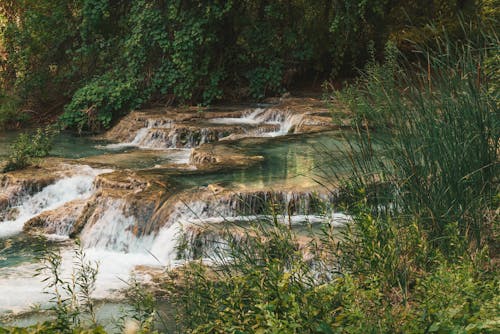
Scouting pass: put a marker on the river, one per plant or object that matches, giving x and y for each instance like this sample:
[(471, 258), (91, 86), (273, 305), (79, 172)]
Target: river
[(126, 194)]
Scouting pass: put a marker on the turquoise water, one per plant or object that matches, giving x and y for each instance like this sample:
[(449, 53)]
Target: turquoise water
[(65, 145), (23, 248), (291, 161)]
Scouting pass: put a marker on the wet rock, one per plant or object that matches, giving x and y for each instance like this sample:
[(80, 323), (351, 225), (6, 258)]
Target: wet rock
[(188, 135), (59, 221), (190, 127), (210, 241), (138, 196), (220, 156), (17, 184), (165, 118), (138, 159)]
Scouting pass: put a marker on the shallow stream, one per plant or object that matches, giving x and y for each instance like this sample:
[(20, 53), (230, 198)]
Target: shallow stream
[(291, 163)]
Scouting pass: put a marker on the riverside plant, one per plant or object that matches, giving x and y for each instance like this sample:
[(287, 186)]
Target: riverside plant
[(27, 149), (420, 254), (71, 298), (380, 276), (72, 307), (438, 158)]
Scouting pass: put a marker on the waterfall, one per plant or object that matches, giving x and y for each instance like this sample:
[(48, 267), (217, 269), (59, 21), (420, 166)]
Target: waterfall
[(113, 228), (77, 186), (153, 128), (158, 133), (110, 229), (188, 238), (176, 136), (284, 121), (252, 117)]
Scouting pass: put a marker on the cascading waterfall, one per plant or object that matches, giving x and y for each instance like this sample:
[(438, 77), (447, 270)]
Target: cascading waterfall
[(251, 117), (18, 287), (78, 186), (188, 219), (284, 120), (110, 229), (176, 136), (167, 134), (144, 137), (115, 233), (295, 209)]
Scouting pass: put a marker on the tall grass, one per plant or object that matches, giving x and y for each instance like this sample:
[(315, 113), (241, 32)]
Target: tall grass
[(422, 192), (442, 125)]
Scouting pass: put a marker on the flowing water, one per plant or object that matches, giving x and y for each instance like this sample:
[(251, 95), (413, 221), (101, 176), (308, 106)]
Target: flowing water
[(286, 173)]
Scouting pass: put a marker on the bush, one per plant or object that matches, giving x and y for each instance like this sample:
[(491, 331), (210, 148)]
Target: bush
[(27, 148), (388, 279), (260, 284), (96, 104), (91, 54)]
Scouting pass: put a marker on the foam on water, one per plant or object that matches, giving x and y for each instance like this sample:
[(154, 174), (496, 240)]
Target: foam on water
[(252, 118), (20, 290), (113, 231), (285, 120), (78, 186)]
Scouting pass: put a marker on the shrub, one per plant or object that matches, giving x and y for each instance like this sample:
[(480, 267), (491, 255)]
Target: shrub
[(71, 298), (9, 112), (27, 148), (93, 53), (381, 276), (96, 104), (260, 284)]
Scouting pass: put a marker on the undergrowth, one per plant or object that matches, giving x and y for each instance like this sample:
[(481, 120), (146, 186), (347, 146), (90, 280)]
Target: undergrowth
[(420, 253)]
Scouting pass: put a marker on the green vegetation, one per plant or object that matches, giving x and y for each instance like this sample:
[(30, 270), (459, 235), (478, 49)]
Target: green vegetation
[(388, 279), (421, 254), (9, 113), (72, 303), (97, 59), (440, 162), (28, 148)]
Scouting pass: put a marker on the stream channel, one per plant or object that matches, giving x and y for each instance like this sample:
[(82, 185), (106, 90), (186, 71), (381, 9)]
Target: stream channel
[(160, 174)]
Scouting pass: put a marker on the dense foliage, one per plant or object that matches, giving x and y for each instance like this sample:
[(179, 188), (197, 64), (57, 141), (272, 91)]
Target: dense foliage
[(100, 58), (421, 254)]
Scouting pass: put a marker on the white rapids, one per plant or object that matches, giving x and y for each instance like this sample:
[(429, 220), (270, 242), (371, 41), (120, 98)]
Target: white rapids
[(113, 238), (78, 186)]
